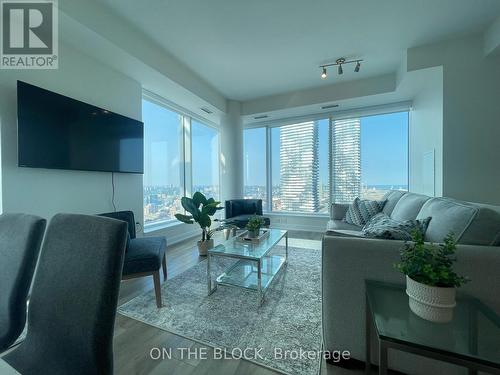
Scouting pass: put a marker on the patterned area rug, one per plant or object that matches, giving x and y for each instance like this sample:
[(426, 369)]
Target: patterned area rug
[(289, 321)]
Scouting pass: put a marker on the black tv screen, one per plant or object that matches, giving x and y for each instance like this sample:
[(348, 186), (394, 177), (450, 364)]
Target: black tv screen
[(58, 132)]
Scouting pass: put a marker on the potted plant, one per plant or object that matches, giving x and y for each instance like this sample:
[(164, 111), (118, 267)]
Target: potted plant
[(253, 226), (200, 209), (430, 280)]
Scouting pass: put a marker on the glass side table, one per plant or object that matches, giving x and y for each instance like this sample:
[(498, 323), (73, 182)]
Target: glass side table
[(471, 339)]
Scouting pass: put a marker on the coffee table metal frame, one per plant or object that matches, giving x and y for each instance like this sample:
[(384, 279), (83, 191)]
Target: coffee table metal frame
[(261, 288)]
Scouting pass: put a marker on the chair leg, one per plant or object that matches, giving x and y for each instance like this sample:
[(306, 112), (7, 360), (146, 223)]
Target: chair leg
[(164, 266), (156, 280)]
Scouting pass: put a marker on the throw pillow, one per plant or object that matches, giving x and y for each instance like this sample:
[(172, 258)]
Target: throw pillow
[(361, 211), (384, 227)]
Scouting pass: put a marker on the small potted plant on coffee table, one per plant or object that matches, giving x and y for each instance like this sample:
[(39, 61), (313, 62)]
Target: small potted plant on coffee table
[(200, 209), (253, 226), (430, 280)]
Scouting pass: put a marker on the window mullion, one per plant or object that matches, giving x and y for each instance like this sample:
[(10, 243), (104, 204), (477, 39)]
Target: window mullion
[(269, 174), (331, 181), (187, 156)]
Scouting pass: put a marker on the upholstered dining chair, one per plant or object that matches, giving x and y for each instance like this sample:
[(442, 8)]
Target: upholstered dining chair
[(239, 211), (73, 300), (143, 256), (20, 240)]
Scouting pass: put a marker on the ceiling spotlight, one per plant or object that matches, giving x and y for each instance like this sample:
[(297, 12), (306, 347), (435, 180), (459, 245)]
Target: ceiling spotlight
[(323, 75), (339, 62)]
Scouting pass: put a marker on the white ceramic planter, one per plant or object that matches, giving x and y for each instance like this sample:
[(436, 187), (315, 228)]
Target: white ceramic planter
[(204, 246), (430, 302)]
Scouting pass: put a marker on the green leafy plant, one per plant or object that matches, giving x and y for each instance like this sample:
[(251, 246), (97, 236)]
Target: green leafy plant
[(200, 209), (430, 264), (254, 224)]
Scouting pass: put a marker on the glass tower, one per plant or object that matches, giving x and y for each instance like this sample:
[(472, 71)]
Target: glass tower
[(345, 160), (299, 167)]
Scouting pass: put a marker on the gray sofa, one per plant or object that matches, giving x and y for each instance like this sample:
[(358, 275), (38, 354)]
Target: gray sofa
[(349, 259)]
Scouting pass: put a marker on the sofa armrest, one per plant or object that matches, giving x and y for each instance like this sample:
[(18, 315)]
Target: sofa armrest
[(338, 211), (346, 264)]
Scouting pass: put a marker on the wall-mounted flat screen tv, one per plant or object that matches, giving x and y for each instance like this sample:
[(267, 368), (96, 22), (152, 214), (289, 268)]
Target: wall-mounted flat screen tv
[(58, 132)]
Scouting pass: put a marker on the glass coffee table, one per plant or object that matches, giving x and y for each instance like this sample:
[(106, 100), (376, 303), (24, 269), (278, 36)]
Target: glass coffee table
[(256, 264), (471, 339)]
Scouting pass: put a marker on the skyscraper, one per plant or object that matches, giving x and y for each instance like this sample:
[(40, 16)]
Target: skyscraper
[(346, 160), (299, 167)]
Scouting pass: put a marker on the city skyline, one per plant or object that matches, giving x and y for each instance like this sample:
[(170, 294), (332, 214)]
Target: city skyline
[(383, 142)]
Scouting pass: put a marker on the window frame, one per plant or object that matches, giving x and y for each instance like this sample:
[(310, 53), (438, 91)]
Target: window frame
[(219, 150), (185, 158), (266, 163), (330, 116)]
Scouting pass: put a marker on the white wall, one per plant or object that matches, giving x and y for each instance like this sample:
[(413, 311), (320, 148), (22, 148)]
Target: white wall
[(46, 192), (426, 131), (471, 116), (232, 152), (316, 96)]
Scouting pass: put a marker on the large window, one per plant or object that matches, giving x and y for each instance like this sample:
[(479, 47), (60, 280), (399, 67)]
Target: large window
[(163, 165), (254, 164), (384, 154), (205, 145), (315, 163), (171, 170)]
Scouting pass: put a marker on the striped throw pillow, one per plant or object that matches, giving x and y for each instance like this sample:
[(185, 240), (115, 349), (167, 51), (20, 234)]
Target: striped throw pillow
[(361, 211)]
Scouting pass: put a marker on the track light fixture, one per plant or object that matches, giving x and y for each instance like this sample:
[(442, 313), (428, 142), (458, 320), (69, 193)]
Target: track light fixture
[(339, 62)]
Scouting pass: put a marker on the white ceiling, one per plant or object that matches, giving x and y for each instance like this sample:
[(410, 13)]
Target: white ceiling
[(254, 48)]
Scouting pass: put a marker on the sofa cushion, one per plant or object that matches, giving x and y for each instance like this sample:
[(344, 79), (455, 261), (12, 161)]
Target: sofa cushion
[(485, 228), (342, 225), (448, 216), (392, 198), (383, 226), (360, 211), (408, 207)]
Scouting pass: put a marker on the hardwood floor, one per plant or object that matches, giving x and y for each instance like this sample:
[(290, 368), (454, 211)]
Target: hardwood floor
[(134, 340)]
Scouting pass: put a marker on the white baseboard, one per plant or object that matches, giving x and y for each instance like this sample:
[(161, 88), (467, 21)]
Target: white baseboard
[(299, 227), (171, 240)]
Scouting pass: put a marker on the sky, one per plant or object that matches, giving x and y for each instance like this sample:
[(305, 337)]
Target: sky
[(384, 151), (163, 147)]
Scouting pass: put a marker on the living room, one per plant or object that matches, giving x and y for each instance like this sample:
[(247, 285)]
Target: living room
[(300, 151)]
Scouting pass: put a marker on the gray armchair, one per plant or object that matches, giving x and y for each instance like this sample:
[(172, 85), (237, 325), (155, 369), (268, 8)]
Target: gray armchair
[(239, 211), (143, 256)]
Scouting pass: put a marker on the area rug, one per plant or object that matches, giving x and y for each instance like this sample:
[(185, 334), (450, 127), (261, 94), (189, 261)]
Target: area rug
[(280, 331)]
